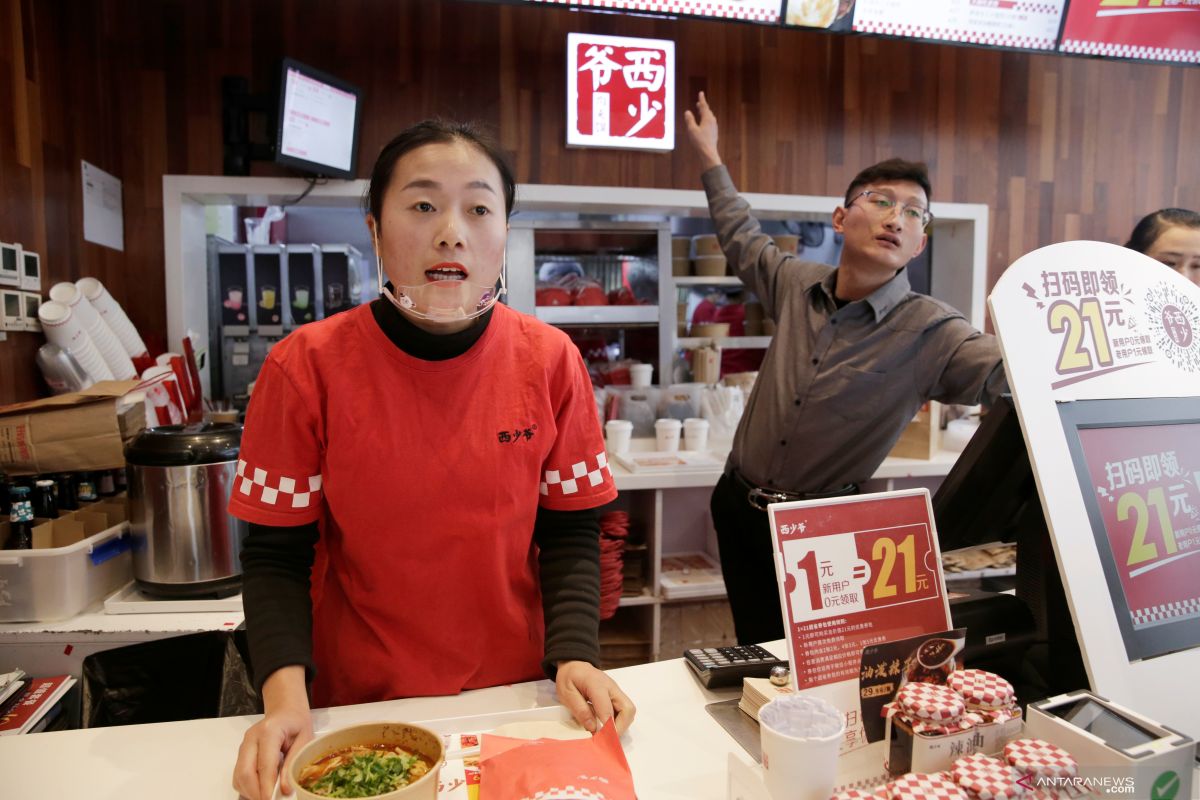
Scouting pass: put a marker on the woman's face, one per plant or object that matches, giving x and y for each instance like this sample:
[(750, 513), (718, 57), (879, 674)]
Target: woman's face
[(1179, 248), (443, 228)]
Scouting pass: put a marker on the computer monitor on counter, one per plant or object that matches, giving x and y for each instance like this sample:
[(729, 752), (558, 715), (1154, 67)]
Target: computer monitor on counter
[(991, 495)]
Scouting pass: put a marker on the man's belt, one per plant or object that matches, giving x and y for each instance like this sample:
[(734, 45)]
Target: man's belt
[(760, 496)]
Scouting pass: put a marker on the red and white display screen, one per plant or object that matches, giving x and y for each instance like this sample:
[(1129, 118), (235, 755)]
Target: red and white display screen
[(1159, 30), (1000, 23), (1142, 488)]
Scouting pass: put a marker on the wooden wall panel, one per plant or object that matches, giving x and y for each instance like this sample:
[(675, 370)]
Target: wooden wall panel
[(1057, 147)]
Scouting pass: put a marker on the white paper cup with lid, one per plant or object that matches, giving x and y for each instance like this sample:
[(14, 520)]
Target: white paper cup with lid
[(666, 432), (695, 434), (640, 375), (799, 735), (618, 432)]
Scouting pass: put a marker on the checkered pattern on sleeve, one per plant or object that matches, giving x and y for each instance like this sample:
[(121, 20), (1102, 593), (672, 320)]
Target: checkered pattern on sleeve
[(1040, 758), (581, 474), (981, 689), (276, 490), (919, 786), (930, 702), (987, 778)]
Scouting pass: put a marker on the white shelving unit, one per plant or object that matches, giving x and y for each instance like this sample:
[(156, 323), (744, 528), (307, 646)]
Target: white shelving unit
[(673, 509)]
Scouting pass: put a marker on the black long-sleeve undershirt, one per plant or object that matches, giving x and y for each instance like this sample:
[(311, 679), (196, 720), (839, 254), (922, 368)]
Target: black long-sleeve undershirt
[(277, 561)]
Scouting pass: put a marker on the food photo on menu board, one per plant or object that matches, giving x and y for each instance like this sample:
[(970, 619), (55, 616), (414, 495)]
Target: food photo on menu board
[(1018, 25), (833, 15), (1159, 30)]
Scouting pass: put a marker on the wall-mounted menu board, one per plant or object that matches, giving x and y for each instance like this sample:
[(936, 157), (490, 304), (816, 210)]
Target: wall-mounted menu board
[(752, 10), (999, 23), (1159, 30)]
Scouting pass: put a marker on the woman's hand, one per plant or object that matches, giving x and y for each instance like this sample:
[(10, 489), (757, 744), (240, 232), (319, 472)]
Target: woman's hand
[(283, 730), (592, 697), (702, 130)]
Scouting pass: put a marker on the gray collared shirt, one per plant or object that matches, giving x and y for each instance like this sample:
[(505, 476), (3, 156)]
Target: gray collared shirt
[(838, 386)]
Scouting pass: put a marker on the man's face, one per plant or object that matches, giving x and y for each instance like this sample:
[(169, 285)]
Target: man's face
[(882, 240)]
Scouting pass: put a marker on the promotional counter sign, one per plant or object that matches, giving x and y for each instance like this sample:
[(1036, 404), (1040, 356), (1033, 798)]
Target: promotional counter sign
[(620, 92), (855, 571), (1000, 23), (1158, 30), (1102, 349), (752, 10)]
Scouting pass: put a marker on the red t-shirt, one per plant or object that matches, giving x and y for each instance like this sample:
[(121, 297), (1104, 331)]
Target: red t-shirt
[(425, 477)]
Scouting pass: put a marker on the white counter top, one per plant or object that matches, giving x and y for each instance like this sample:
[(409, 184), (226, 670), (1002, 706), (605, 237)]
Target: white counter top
[(676, 751), (891, 468), (95, 620)]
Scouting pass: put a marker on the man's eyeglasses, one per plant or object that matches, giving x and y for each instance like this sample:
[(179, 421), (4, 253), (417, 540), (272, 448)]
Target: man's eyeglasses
[(882, 205)]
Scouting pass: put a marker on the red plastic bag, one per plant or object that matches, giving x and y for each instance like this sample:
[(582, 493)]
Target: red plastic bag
[(515, 769)]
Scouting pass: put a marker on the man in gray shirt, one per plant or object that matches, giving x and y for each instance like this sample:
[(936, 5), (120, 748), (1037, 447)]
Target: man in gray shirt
[(855, 354)]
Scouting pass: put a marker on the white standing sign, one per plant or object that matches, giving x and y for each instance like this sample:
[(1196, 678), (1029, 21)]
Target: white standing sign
[(1102, 349), (620, 92)]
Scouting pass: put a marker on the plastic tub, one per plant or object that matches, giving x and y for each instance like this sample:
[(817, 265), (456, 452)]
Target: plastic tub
[(54, 583)]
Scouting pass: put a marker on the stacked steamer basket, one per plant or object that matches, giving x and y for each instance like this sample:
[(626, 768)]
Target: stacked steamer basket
[(614, 530)]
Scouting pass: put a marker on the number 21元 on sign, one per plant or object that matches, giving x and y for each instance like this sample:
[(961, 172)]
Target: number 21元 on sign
[(1074, 356), (852, 572)]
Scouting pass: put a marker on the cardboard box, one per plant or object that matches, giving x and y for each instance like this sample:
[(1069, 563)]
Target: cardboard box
[(76, 431), (75, 526), (923, 436)]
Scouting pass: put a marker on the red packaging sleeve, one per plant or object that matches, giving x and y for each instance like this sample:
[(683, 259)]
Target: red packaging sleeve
[(594, 767)]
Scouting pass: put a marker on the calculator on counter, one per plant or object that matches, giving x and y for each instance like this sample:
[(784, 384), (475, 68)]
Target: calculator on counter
[(718, 667)]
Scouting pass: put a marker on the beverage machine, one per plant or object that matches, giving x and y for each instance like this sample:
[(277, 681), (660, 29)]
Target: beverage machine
[(260, 293)]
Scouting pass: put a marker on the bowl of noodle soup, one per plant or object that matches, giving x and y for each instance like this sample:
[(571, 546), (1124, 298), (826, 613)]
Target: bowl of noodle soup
[(387, 760)]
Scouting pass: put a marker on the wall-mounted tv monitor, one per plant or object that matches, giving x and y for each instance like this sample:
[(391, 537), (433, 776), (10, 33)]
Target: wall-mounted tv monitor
[(1152, 30), (748, 10), (319, 120), (1017, 25)]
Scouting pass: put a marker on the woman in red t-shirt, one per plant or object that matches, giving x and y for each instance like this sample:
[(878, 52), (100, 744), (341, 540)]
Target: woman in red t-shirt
[(435, 458)]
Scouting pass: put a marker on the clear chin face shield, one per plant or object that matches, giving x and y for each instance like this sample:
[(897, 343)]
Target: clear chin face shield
[(442, 300)]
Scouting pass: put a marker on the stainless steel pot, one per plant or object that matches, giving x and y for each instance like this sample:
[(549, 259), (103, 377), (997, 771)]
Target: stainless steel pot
[(185, 544)]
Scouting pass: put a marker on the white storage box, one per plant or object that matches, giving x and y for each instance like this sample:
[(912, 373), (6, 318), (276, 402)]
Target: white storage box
[(53, 583)]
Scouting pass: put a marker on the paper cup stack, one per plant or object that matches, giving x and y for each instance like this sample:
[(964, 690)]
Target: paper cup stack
[(63, 328), (96, 328), (112, 313)]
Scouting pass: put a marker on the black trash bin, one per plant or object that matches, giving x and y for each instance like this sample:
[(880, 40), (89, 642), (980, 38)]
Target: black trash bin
[(196, 676)]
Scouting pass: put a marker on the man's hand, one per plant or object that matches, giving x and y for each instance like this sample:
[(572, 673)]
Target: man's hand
[(592, 697), (702, 130)]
